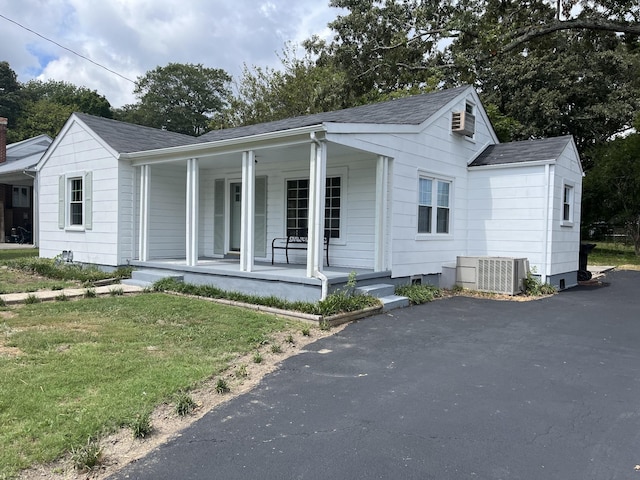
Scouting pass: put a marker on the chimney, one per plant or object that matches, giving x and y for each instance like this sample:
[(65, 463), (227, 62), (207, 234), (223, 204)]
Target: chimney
[(3, 139)]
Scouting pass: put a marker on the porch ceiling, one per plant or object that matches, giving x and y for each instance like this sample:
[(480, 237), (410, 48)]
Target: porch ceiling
[(279, 154)]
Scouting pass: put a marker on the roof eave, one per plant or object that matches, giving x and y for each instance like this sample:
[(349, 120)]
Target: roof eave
[(218, 146), (534, 163)]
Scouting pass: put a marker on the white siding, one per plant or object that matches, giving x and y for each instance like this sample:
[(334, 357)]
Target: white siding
[(566, 237), (167, 211), (78, 152), (507, 213)]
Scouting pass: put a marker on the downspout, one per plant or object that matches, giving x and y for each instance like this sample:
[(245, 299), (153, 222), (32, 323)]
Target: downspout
[(316, 272)]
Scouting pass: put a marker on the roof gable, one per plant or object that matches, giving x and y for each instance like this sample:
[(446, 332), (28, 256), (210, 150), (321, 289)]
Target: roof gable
[(525, 151)]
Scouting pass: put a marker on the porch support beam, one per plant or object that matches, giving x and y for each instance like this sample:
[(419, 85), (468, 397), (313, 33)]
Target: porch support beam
[(247, 224), (143, 229), (317, 186), (193, 186), (381, 221)]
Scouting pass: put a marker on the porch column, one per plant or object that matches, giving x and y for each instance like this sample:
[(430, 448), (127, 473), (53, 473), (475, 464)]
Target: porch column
[(381, 223), (317, 187), (143, 230), (247, 208), (192, 211)]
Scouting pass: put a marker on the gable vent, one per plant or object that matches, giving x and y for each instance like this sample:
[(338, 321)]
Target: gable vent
[(463, 123)]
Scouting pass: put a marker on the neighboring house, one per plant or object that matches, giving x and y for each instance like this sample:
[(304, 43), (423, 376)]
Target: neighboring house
[(18, 192), (400, 189)]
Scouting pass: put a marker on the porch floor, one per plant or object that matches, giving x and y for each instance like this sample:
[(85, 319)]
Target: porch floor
[(283, 280)]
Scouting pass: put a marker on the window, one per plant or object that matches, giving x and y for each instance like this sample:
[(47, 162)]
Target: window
[(75, 201), (567, 204), (434, 192), (75, 210), (298, 205), (21, 197)]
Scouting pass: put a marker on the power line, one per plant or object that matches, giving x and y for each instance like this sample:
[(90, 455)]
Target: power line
[(67, 49)]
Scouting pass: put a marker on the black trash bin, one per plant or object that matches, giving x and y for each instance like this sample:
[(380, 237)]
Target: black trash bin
[(585, 250)]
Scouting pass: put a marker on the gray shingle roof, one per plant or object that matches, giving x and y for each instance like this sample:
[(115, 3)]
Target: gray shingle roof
[(402, 111), (126, 137), (521, 152)]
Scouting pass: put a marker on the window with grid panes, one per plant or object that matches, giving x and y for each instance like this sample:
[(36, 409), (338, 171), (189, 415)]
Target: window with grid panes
[(75, 201), (433, 192), (298, 205)]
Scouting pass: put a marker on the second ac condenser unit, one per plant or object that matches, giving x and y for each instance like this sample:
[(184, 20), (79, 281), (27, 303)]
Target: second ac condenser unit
[(492, 274)]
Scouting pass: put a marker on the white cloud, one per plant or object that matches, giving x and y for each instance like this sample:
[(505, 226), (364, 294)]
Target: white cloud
[(134, 36)]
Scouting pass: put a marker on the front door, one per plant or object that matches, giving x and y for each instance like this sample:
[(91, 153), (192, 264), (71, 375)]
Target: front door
[(235, 212)]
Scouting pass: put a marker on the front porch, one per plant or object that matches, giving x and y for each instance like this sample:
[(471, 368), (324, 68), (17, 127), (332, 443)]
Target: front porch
[(288, 281)]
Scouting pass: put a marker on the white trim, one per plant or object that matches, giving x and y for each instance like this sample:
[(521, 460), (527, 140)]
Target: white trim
[(536, 163), (568, 223), (192, 206), (247, 207), (317, 188), (435, 178), (143, 231), (381, 208)]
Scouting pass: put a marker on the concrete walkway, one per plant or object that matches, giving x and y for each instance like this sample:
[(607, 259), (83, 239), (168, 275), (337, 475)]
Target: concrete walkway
[(47, 295)]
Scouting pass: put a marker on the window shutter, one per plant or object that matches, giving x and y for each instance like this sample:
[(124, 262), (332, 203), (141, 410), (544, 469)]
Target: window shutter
[(61, 201), (218, 217), (260, 225), (88, 200)]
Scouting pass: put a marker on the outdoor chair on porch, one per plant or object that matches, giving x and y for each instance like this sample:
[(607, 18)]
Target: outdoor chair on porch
[(296, 239)]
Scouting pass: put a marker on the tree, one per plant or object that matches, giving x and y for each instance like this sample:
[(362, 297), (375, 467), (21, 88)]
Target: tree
[(299, 88), (81, 99), (9, 95), (180, 97), (612, 186)]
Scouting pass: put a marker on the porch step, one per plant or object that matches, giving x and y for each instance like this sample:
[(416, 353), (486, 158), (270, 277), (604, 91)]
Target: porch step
[(378, 290), (393, 301), (385, 293), (147, 277)]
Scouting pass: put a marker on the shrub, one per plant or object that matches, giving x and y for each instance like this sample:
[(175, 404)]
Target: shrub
[(533, 287), (418, 293)]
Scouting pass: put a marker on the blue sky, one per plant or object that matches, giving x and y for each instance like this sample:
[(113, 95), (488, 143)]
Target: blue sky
[(134, 36)]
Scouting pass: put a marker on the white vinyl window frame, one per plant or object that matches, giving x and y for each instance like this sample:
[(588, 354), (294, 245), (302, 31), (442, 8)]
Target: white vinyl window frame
[(75, 201), (434, 211), (567, 204), (333, 203)]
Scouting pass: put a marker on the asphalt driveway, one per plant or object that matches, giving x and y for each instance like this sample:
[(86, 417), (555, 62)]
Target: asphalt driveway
[(460, 388)]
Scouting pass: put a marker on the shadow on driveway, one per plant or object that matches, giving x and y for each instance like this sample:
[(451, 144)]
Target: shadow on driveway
[(460, 388)]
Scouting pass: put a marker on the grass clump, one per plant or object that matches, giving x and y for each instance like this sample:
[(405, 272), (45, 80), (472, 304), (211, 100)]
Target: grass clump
[(116, 292), (90, 293), (419, 293), (241, 371), (141, 425), (31, 299), (275, 348), (222, 386), (62, 298), (289, 339), (257, 357), (306, 332), (86, 457), (184, 404)]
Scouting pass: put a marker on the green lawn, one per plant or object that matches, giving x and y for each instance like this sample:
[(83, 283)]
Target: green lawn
[(74, 370), (613, 254)]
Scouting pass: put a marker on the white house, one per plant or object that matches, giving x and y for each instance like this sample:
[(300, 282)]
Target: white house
[(394, 191), (18, 186)]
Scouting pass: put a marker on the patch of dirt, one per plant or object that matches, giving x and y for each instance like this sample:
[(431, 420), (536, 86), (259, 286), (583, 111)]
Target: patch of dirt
[(120, 448)]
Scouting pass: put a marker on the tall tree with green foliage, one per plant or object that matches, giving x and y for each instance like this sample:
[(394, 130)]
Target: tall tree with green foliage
[(612, 186), (9, 94), (549, 67), (179, 97), (300, 87)]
